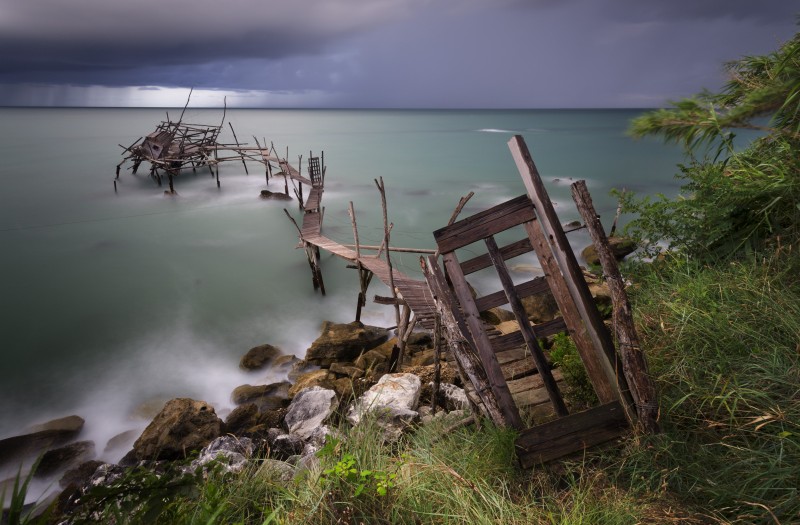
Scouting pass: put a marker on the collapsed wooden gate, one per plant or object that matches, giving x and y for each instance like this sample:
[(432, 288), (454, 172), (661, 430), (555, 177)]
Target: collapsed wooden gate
[(477, 351)]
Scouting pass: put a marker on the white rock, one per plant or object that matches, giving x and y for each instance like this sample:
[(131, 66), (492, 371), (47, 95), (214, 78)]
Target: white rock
[(397, 391), (309, 409)]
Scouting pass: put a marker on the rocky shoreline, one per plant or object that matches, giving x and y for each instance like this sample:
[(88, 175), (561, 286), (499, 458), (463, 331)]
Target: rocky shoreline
[(343, 379)]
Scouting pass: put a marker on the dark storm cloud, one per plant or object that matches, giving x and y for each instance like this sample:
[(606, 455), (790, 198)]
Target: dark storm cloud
[(389, 53)]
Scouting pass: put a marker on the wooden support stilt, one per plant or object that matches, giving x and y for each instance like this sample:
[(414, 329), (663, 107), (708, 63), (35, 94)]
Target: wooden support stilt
[(437, 362), (386, 230), (633, 360), (171, 186), (115, 185)]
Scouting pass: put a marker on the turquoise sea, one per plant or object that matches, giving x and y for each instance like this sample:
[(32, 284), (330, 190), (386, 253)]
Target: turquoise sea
[(113, 299)]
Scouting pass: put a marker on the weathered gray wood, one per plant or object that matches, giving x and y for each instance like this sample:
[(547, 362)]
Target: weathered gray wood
[(483, 261), (601, 355), (459, 341), (570, 434), (484, 224), (532, 287), (541, 330), (633, 360), (596, 365), (481, 341), (525, 328)]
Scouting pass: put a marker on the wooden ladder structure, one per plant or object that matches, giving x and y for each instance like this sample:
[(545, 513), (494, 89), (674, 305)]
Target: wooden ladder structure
[(478, 351)]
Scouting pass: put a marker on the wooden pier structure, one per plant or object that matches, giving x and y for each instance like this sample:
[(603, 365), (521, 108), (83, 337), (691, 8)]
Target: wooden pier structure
[(506, 375)]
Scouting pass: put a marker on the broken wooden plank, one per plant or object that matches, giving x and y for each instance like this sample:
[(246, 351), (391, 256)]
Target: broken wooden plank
[(532, 287), (483, 224), (570, 434), (514, 249)]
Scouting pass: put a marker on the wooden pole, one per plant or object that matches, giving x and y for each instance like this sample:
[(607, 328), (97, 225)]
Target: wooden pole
[(634, 364), (362, 295), (437, 361), (386, 230)]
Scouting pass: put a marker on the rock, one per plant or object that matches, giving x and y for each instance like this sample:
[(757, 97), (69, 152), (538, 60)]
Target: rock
[(572, 225), (284, 363), (183, 425), (273, 418), (620, 248), (396, 395), (454, 397), (230, 452), (259, 357), (273, 469), (602, 296), (320, 378), (283, 445), (242, 419), (149, 409), (299, 368), (80, 475), (371, 360), (421, 339), (424, 358), (54, 433), (344, 342), (72, 424), (271, 195), (309, 409), (347, 370), (540, 307), (64, 458), (121, 441), (497, 315), (343, 387), (266, 397)]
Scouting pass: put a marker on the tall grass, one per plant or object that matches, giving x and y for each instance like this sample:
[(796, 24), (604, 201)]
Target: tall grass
[(724, 342)]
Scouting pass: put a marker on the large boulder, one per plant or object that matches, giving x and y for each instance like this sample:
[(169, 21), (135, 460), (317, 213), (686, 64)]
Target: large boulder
[(344, 342), (230, 452), (309, 409), (393, 401), (497, 315), (274, 395), (541, 307), (183, 425), (320, 378), (64, 458), (620, 248), (54, 433), (259, 357)]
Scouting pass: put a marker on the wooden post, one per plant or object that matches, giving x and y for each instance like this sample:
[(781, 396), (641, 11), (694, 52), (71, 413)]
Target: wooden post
[(437, 362), (362, 295), (171, 186), (456, 330), (386, 230), (567, 278), (115, 185), (633, 360)]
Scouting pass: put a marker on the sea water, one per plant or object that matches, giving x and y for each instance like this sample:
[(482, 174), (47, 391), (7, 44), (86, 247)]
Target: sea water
[(115, 299)]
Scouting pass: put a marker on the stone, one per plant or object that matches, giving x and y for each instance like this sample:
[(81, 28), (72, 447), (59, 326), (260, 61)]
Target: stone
[(540, 307), (283, 445), (346, 370), (273, 469), (298, 368), (284, 363), (497, 315), (274, 395), (259, 357), (371, 359), (80, 475), (620, 248), (602, 296), (424, 358), (343, 387), (64, 458), (14, 450), (344, 342), (421, 339), (121, 441), (320, 378), (273, 418), (309, 409), (273, 195), (454, 397), (395, 393), (242, 419), (230, 452), (183, 425)]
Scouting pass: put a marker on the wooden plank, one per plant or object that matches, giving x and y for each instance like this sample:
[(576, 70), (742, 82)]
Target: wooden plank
[(526, 289), (570, 434), (515, 339), (484, 224), (484, 261), (459, 341), (524, 326), (597, 357), (634, 365), (535, 396), (533, 382), (481, 342)]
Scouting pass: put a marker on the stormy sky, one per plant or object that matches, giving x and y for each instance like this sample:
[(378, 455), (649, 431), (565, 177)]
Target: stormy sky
[(378, 53)]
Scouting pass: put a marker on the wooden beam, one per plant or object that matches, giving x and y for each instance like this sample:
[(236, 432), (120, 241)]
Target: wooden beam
[(484, 261)]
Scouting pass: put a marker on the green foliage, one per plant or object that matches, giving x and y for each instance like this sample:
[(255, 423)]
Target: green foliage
[(18, 513), (565, 356), (731, 202), (723, 344), (345, 472)]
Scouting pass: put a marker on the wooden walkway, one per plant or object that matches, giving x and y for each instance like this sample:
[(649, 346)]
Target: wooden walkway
[(415, 293)]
